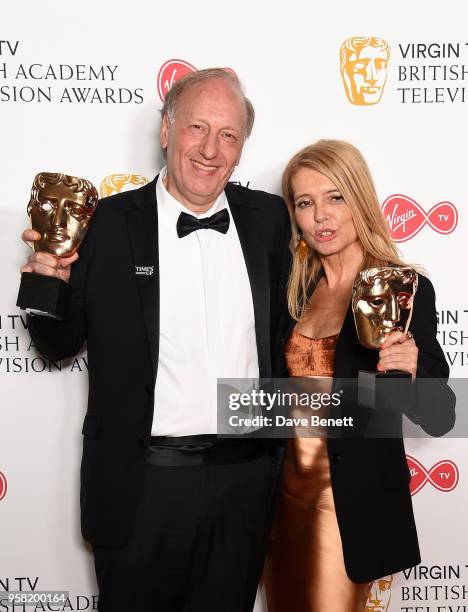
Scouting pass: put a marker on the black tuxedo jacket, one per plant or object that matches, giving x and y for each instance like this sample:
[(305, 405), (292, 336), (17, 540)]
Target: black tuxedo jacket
[(370, 477), (116, 311)]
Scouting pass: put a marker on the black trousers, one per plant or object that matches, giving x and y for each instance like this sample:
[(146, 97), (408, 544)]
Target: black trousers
[(198, 543)]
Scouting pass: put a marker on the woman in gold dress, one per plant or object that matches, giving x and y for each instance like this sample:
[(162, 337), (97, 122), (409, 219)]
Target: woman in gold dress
[(344, 515)]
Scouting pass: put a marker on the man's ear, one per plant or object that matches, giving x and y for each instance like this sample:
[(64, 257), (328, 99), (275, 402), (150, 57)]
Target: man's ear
[(164, 132)]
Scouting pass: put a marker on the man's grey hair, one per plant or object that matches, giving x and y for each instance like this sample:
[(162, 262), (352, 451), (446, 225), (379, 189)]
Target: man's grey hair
[(191, 78)]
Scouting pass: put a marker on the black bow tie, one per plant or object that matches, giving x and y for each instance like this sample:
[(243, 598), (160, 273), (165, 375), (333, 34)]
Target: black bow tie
[(186, 224)]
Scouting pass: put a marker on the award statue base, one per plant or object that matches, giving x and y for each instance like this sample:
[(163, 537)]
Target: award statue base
[(386, 396), (44, 295), (385, 390)]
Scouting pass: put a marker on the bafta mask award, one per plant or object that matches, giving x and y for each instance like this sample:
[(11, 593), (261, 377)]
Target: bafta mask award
[(60, 210), (382, 302)]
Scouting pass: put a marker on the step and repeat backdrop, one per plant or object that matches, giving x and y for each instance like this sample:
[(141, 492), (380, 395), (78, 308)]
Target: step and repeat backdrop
[(81, 85)]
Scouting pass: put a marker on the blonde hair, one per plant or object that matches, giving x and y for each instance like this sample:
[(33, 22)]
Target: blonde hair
[(344, 165)]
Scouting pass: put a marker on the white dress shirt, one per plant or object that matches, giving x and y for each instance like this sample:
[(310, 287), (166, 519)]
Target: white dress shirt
[(207, 325)]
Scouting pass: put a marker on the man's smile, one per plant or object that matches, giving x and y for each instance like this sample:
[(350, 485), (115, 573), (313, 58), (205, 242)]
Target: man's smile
[(204, 168)]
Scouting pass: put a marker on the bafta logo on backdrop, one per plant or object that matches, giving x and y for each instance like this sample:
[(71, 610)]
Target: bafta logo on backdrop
[(379, 596), (363, 67), (115, 183)]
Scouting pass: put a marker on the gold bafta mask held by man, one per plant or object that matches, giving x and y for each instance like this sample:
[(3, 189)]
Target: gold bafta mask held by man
[(60, 208), (363, 66), (382, 302)]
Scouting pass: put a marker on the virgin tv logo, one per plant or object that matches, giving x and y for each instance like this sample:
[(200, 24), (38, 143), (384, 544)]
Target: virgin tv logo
[(406, 218), (170, 72), (443, 475), (3, 486)]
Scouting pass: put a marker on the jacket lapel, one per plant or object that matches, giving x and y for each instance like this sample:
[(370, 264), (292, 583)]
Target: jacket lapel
[(142, 223), (248, 224), (350, 355)]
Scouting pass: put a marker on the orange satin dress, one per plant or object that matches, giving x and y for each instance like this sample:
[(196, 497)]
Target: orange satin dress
[(304, 570)]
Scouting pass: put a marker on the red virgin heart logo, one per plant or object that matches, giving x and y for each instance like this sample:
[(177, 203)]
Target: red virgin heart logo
[(406, 218), (443, 475), (170, 72)]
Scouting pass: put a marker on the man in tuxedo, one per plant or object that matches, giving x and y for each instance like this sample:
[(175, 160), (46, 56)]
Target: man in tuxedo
[(177, 283)]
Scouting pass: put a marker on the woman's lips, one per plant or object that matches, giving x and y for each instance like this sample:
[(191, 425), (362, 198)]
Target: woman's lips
[(325, 235)]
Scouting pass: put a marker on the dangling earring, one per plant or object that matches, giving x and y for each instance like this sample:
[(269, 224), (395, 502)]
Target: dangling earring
[(302, 248)]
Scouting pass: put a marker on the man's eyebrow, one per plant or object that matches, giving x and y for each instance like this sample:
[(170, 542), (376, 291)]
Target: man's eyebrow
[(205, 122), (232, 129)]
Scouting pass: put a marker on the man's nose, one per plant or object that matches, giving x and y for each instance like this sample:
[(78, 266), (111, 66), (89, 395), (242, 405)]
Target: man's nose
[(209, 146)]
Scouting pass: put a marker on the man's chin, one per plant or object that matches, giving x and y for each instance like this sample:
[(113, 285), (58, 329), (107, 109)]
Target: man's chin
[(204, 191), (208, 199)]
